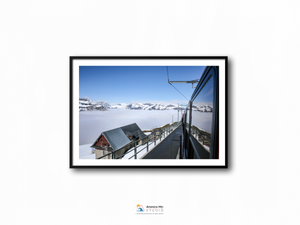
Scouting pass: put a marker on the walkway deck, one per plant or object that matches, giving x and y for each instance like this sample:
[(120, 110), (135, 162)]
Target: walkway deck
[(167, 148)]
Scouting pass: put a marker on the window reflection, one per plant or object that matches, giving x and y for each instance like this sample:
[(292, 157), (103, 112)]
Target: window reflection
[(202, 115), (187, 117)]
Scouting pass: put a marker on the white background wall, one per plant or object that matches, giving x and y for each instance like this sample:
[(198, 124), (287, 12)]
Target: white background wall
[(261, 39)]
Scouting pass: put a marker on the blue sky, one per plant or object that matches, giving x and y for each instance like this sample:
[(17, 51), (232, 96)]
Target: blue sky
[(125, 84), (206, 94)]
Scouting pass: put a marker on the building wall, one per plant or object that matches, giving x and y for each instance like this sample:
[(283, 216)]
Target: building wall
[(100, 153), (102, 142)]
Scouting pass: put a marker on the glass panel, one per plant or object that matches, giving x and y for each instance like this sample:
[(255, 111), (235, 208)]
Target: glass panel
[(187, 117), (202, 115)]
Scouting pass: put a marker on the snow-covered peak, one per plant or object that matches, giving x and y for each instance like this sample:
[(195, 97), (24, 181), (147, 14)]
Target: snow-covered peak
[(142, 106), (119, 106)]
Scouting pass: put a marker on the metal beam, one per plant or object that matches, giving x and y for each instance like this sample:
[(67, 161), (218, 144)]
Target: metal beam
[(192, 81)]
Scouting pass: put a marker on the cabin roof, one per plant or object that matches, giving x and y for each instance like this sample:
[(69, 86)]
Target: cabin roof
[(117, 137)]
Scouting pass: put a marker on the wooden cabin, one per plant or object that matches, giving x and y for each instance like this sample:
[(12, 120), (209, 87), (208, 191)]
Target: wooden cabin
[(118, 140)]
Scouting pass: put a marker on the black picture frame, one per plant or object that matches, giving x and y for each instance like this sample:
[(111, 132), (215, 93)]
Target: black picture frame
[(219, 63)]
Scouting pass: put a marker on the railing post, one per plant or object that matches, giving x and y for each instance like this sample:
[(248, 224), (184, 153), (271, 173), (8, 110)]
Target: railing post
[(135, 156), (154, 139), (147, 143), (113, 155)]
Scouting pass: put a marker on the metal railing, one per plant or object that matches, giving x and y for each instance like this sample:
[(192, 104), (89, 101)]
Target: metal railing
[(202, 137), (156, 135)]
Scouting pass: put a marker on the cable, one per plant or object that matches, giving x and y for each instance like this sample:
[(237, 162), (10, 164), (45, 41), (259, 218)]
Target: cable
[(168, 75), (178, 91), (174, 86)]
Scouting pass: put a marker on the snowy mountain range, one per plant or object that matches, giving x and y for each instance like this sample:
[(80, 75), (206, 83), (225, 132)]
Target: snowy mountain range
[(86, 104), (156, 106), (145, 106)]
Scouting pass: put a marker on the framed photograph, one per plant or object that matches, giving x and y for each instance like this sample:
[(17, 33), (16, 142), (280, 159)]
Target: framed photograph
[(148, 112)]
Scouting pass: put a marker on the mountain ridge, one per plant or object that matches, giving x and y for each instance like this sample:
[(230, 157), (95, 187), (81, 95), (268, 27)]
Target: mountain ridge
[(85, 104)]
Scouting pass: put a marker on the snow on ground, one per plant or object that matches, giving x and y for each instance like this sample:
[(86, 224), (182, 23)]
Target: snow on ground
[(93, 123), (204, 146), (85, 152)]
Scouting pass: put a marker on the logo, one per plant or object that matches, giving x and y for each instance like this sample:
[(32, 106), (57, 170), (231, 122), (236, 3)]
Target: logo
[(140, 208), (150, 210)]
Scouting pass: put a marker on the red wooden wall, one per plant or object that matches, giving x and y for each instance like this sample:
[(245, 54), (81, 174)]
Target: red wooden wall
[(101, 141)]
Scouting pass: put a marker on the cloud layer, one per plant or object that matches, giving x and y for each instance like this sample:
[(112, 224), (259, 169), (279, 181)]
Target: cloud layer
[(93, 123)]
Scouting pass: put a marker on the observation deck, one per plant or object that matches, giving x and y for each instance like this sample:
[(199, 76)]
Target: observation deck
[(168, 148)]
